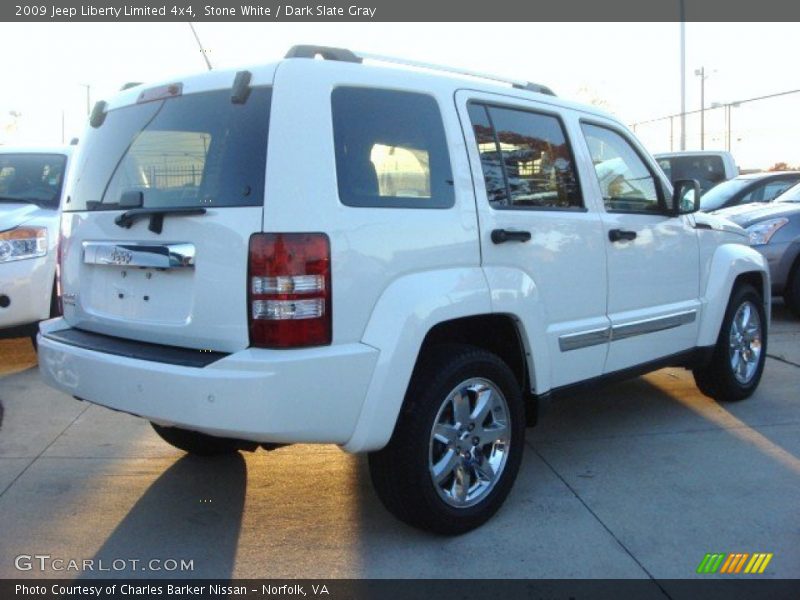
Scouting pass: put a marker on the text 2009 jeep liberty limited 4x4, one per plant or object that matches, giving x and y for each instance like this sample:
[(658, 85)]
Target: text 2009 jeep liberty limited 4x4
[(393, 260)]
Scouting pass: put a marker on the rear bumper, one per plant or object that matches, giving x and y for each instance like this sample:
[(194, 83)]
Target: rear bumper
[(281, 396)]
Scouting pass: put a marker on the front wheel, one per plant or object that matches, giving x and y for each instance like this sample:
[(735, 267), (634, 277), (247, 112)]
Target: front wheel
[(200, 444), (457, 445), (738, 361)]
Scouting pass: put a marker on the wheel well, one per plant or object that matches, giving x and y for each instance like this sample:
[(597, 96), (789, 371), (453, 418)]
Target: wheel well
[(794, 271), (498, 334), (753, 278)]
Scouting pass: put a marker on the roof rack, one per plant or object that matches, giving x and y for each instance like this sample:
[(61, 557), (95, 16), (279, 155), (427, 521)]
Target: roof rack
[(344, 55)]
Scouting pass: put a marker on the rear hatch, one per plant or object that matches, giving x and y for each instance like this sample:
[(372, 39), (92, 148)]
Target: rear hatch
[(166, 192)]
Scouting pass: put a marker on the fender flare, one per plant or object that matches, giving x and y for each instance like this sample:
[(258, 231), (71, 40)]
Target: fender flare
[(406, 310), (727, 264)]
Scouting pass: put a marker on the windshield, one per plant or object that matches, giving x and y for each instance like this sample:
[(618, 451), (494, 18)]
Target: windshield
[(707, 170), (720, 194), (790, 195), (32, 178), (194, 150)]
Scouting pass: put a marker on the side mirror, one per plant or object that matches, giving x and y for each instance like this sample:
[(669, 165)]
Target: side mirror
[(685, 196)]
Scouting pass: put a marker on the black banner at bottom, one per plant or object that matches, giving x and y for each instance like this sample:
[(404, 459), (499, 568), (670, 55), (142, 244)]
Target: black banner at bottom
[(391, 589)]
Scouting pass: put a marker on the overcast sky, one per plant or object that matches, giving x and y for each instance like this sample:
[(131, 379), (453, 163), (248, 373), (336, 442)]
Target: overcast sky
[(633, 68)]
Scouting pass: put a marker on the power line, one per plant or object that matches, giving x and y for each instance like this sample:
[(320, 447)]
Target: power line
[(736, 103)]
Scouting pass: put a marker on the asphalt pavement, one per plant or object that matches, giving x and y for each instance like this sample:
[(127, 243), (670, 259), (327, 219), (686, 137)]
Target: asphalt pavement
[(637, 480)]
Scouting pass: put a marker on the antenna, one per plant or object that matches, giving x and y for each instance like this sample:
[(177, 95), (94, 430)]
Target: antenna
[(200, 45)]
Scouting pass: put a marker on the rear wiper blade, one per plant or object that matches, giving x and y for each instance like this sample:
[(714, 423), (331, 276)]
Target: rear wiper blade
[(100, 205), (156, 215)]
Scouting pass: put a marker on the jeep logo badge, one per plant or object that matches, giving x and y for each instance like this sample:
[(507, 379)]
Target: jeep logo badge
[(120, 256)]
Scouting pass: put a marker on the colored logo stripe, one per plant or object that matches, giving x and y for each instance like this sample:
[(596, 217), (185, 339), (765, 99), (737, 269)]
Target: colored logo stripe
[(734, 563), (710, 563), (758, 563)]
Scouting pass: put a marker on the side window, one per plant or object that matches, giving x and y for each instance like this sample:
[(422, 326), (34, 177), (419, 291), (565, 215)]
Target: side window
[(626, 183), (391, 149), (526, 160)]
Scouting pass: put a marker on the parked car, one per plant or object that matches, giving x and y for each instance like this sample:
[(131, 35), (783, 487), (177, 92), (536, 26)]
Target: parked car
[(775, 232), (744, 189), (708, 167), (399, 262), (31, 183)]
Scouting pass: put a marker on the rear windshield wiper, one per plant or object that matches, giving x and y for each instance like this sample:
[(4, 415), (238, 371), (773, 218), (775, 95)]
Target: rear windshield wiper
[(156, 215), (100, 205)]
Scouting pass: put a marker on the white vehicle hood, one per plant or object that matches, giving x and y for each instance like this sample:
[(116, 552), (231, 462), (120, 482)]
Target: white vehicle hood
[(14, 215), (719, 223)]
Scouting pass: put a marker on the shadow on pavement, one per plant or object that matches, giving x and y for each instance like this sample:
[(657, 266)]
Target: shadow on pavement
[(192, 512), (667, 402)]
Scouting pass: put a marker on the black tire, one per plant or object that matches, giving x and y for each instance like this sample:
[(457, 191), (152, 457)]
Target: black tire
[(717, 379), (791, 294), (200, 444), (400, 471)]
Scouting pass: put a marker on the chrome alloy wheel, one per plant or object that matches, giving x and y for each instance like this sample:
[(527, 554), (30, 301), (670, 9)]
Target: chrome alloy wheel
[(469, 442), (744, 342)]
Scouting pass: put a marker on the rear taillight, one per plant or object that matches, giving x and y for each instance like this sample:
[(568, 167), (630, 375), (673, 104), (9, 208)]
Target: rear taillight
[(289, 290)]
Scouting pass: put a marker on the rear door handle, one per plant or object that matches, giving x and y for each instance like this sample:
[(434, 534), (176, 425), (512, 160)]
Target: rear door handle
[(618, 235), (501, 236)]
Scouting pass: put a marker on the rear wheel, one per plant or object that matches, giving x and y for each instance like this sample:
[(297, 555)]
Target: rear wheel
[(738, 361), (792, 293), (458, 443), (200, 444)]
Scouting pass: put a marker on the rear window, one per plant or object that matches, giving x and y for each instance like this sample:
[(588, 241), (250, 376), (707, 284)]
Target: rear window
[(707, 170), (34, 178), (194, 150), (391, 149)]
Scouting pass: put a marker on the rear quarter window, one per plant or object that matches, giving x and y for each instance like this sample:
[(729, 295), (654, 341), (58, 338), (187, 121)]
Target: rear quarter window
[(391, 149)]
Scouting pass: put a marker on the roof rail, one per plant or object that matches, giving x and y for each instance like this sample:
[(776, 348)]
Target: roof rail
[(344, 55)]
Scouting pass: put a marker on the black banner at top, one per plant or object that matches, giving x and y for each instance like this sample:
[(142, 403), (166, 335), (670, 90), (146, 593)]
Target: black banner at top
[(397, 10)]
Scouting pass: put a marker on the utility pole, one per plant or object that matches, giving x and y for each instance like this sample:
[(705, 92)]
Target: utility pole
[(88, 97), (701, 72), (683, 75)]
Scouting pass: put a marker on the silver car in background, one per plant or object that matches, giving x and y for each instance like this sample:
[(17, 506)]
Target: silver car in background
[(774, 230)]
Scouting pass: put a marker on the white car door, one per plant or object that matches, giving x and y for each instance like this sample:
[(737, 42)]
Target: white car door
[(542, 245), (653, 256)]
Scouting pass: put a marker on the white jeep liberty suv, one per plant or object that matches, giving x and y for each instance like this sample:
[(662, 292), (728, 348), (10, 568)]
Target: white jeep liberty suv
[(401, 261)]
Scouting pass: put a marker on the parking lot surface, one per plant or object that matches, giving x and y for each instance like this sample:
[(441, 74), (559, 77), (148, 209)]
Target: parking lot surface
[(636, 480)]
